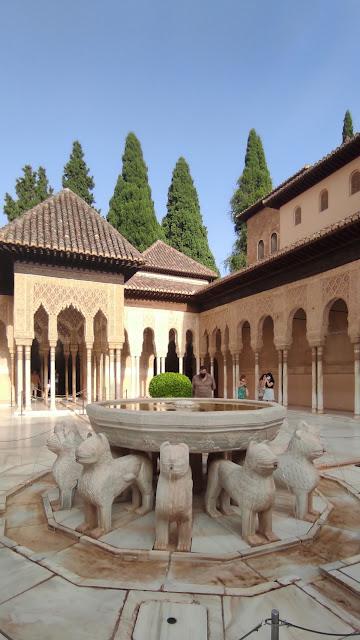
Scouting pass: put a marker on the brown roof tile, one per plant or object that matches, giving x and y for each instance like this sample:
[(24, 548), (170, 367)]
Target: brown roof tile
[(66, 223), (162, 258), (155, 286)]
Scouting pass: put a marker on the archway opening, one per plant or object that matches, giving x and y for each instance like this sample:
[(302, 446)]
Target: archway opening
[(147, 361), (247, 359), (172, 360), (5, 363), (69, 353), (189, 357), (268, 358), (299, 363), (338, 360)]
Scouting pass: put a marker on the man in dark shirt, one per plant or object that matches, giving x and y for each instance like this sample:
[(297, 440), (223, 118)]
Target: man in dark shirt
[(203, 384)]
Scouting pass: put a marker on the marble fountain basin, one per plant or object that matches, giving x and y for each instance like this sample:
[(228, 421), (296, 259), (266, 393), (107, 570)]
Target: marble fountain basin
[(204, 424)]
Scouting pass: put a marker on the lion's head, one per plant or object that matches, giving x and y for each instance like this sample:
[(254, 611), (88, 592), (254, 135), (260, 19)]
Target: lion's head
[(174, 459), (306, 442), (65, 438), (93, 449), (260, 458)]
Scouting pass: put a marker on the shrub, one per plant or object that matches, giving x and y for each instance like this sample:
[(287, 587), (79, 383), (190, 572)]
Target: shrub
[(170, 385)]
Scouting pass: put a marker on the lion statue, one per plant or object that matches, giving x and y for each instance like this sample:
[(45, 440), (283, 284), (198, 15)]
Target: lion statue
[(104, 478), (251, 486), (66, 470), (297, 472), (174, 496)]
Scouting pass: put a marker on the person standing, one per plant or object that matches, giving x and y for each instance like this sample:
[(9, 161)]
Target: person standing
[(261, 387), (269, 394), (242, 391), (203, 384)]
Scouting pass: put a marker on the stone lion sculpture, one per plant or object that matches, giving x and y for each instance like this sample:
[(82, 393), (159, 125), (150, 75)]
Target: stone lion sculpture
[(104, 478), (250, 486), (297, 472), (174, 496), (66, 470)]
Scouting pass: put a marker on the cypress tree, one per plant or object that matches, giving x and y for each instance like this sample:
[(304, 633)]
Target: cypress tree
[(76, 175), (253, 184), (348, 129), (31, 189), (131, 209), (43, 189), (183, 224)]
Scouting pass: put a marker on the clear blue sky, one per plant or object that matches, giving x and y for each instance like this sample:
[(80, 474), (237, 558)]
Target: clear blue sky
[(189, 78)]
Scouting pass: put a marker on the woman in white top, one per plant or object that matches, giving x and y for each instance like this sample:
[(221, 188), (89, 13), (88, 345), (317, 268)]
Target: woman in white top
[(269, 387)]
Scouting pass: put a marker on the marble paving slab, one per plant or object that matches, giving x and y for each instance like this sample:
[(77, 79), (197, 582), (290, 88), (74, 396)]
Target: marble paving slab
[(69, 517), (353, 571), (211, 536), (242, 614), (350, 475), (18, 574), (171, 621), (138, 534), (57, 610)]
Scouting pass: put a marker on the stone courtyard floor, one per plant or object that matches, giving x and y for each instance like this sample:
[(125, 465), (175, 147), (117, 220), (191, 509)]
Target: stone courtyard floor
[(54, 585)]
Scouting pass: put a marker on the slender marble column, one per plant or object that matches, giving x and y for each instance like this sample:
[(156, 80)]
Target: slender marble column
[(52, 378), (162, 364), (28, 378), (280, 377), (137, 375), (66, 356), (101, 376), (112, 374), (320, 381), (234, 391), (88, 374), (211, 366), (257, 375), (12, 376), (46, 376), (313, 380), (118, 373), (20, 355), (285, 378), (73, 364), (357, 379), (107, 376), (181, 364), (97, 374), (225, 376)]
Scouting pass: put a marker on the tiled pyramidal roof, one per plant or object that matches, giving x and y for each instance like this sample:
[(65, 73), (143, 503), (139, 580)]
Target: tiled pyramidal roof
[(162, 258), (66, 224)]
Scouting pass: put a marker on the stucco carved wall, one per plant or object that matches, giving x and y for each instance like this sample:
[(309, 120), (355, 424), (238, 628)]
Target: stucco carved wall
[(56, 292), (314, 295)]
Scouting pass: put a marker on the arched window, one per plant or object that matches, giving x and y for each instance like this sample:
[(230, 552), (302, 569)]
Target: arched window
[(273, 243), (324, 200), (260, 249), (297, 216), (355, 182)]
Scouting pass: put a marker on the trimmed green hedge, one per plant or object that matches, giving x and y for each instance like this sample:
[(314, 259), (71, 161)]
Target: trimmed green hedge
[(170, 385)]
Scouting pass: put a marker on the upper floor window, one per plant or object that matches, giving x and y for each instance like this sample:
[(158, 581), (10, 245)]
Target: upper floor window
[(297, 216), (324, 200), (273, 243), (355, 182), (260, 249)]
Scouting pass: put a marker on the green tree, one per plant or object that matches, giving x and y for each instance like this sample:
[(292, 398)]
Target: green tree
[(348, 129), (31, 188), (253, 184), (43, 189), (77, 176), (131, 209), (183, 224)]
